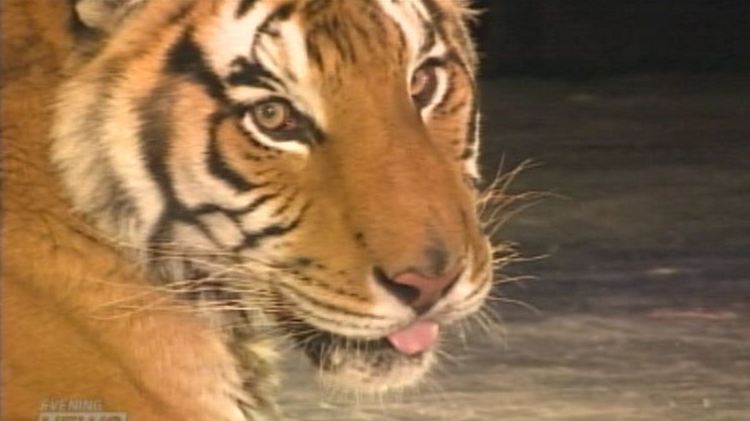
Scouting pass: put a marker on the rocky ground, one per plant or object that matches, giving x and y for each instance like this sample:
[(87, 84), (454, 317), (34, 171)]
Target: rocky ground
[(639, 306)]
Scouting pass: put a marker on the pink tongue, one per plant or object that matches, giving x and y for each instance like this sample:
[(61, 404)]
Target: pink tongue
[(416, 338)]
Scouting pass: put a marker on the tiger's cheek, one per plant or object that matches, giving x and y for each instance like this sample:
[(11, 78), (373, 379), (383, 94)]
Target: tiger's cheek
[(336, 260), (327, 237), (190, 136)]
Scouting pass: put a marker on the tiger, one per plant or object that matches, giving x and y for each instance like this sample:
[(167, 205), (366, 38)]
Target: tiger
[(192, 188)]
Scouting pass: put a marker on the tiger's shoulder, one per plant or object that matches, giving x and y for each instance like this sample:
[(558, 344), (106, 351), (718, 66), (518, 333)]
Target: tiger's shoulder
[(75, 316)]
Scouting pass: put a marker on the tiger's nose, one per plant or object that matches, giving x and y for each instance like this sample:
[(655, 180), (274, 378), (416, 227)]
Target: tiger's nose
[(418, 291)]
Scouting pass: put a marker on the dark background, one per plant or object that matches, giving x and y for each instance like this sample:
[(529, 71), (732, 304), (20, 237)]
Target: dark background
[(585, 37)]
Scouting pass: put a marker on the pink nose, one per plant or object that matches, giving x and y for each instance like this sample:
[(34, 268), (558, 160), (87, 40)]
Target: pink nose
[(418, 291)]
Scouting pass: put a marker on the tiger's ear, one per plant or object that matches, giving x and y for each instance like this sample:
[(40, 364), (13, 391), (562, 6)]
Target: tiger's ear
[(104, 15)]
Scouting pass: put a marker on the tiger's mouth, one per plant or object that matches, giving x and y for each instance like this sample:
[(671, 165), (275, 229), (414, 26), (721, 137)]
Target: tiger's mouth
[(386, 355), (394, 361)]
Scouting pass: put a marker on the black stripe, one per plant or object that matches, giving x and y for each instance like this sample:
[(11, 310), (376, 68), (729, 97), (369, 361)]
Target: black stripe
[(314, 7), (436, 18), (244, 7), (78, 28), (473, 116), (253, 239), (251, 74), (430, 40), (112, 198), (453, 57), (330, 307), (336, 33), (181, 12), (284, 12), (258, 202), (313, 51), (365, 35), (154, 133), (313, 133), (233, 213), (281, 13), (186, 58), (378, 32), (216, 164), (342, 40), (154, 136), (286, 204), (436, 13), (255, 204)]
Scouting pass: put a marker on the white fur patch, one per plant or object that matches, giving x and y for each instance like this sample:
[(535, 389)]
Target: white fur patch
[(472, 165), (84, 162), (120, 134), (223, 229), (232, 37), (406, 17), (440, 91), (296, 51), (281, 55), (287, 146), (195, 185)]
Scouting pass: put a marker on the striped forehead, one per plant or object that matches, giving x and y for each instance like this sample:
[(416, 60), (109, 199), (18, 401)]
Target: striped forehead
[(258, 32), (416, 20), (274, 33)]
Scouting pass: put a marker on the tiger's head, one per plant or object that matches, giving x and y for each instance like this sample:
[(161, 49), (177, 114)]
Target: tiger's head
[(319, 154)]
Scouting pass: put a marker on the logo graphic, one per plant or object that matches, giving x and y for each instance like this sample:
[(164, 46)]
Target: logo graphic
[(77, 410)]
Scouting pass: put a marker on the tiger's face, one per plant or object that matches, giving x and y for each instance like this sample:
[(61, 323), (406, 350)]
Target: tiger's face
[(318, 153)]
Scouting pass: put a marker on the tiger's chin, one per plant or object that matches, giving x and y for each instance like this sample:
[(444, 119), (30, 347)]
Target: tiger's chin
[(365, 366)]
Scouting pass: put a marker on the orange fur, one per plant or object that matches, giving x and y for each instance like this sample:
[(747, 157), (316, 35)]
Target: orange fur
[(59, 339), (384, 174)]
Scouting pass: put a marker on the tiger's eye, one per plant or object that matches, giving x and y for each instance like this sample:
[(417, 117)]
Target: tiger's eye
[(423, 85), (272, 115)]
